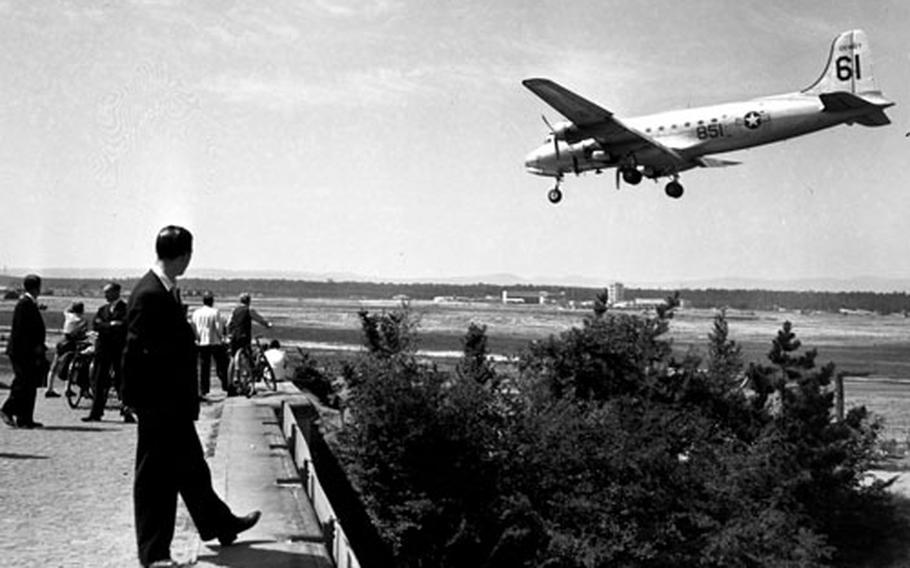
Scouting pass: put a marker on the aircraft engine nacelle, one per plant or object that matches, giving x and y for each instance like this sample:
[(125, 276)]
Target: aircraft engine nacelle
[(601, 156), (566, 131)]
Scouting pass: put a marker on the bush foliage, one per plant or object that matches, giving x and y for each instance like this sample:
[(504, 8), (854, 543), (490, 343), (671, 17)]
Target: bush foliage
[(601, 449)]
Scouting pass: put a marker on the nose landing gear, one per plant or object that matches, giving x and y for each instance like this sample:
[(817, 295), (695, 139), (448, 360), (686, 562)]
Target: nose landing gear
[(555, 195)]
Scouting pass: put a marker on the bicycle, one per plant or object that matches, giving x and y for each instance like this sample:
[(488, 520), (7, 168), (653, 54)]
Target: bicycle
[(78, 367), (249, 366)]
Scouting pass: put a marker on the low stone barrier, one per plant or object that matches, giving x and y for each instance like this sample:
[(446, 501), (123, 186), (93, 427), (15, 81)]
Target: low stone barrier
[(344, 522)]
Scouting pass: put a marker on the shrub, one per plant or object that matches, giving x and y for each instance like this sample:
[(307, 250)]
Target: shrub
[(604, 450), (310, 376)]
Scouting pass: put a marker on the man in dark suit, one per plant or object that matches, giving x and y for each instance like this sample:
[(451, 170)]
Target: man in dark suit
[(160, 384), (110, 324), (28, 355)]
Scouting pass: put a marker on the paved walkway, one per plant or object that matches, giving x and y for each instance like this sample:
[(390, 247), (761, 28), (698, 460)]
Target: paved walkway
[(66, 490)]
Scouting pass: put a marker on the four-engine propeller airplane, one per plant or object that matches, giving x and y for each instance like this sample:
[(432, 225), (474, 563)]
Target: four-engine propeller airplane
[(665, 144)]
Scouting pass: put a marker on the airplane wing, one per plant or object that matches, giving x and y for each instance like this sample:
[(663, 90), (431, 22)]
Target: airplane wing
[(707, 162), (579, 110), (596, 122)]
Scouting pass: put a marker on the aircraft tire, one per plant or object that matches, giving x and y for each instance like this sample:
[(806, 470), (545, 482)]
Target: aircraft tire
[(554, 195), (674, 189), (631, 176)]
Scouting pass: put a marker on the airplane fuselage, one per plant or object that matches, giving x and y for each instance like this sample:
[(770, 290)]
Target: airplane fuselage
[(699, 131)]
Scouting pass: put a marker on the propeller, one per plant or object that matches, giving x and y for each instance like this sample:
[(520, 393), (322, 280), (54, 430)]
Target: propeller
[(618, 173), (553, 133)]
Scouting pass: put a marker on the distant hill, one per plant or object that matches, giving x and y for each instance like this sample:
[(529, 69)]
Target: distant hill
[(707, 297), (13, 276)]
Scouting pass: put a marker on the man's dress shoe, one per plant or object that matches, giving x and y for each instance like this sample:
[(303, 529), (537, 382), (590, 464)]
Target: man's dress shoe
[(7, 419), (239, 525), (166, 563)]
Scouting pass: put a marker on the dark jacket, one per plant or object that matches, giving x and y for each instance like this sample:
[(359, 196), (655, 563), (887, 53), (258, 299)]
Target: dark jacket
[(27, 335), (159, 360), (240, 326), (111, 337)]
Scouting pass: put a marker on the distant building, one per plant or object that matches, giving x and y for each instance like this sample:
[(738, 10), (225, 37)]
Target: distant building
[(639, 304), (532, 297), (616, 293), (648, 302)]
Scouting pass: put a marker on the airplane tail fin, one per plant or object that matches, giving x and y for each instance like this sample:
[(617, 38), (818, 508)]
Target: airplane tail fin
[(849, 67)]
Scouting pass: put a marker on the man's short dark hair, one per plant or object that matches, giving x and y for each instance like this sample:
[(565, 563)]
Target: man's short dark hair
[(275, 344), (173, 242), (31, 283), (208, 299), (112, 286)]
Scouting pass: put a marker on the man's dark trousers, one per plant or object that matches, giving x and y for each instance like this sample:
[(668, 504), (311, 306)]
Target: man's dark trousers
[(107, 361), (169, 454), (22, 392), (206, 354)]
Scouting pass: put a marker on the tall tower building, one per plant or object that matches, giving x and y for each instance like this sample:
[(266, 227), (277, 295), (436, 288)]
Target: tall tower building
[(616, 293)]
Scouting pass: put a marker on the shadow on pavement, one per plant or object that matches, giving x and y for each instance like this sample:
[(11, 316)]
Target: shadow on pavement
[(14, 456), (80, 429), (268, 394), (264, 553)]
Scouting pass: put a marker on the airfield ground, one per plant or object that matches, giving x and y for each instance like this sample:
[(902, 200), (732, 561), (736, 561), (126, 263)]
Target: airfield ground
[(873, 350)]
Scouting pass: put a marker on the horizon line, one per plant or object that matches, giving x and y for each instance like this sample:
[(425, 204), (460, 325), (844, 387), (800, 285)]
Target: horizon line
[(863, 283)]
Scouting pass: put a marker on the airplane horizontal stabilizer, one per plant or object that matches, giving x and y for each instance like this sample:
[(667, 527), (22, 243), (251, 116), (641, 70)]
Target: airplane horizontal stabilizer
[(842, 101), (874, 119), (706, 162), (873, 102)]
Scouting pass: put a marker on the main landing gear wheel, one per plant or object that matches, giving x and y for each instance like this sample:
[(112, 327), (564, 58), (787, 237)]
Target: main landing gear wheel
[(554, 195), (631, 176), (674, 189)]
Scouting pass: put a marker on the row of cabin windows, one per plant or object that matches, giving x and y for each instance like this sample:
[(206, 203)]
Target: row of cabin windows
[(686, 125)]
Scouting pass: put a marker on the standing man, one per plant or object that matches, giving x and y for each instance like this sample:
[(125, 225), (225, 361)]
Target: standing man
[(28, 354), (160, 384), (241, 325), (110, 323), (210, 336)]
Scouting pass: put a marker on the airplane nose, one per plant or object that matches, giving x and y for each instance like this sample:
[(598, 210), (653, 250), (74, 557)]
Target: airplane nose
[(532, 160)]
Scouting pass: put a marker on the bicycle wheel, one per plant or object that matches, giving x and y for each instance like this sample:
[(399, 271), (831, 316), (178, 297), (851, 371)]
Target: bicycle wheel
[(77, 387), (241, 373), (267, 374), (72, 391)]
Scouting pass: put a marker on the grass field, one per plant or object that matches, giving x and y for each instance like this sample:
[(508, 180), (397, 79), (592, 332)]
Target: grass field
[(873, 350)]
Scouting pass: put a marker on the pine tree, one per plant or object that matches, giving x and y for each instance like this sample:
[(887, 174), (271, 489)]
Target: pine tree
[(725, 360)]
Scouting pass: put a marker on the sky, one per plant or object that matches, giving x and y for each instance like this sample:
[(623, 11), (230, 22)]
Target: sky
[(386, 138)]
